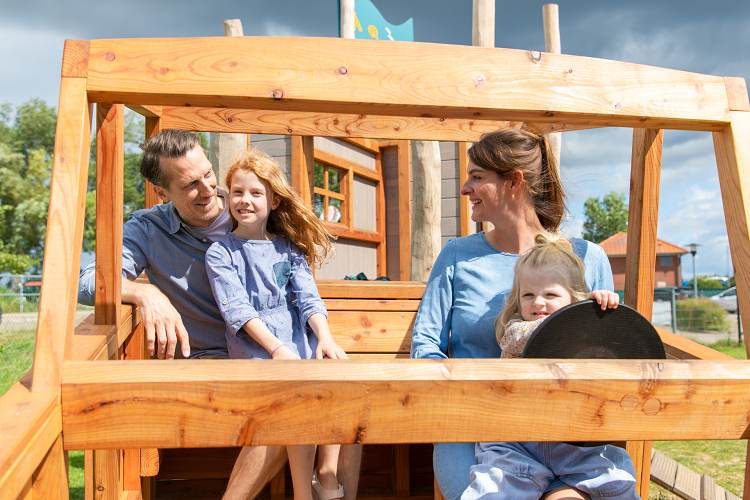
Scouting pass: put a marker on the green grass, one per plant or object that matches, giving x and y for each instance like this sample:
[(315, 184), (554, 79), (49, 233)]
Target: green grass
[(16, 355), (75, 475), (723, 460)]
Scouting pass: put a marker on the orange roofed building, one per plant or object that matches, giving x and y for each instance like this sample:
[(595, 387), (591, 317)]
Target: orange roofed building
[(668, 266)]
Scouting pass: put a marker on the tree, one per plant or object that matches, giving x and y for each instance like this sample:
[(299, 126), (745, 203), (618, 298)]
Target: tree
[(605, 218)]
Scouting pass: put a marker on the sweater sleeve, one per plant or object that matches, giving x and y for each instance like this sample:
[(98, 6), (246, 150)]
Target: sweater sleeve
[(303, 286), (431, 334)]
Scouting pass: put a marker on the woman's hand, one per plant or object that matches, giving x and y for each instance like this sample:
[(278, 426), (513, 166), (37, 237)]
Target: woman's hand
[(284, 352), (605, 298), (331, 349)]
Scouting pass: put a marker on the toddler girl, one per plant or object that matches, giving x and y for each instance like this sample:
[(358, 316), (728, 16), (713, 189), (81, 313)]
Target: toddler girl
[(547, 278), (261, 279)]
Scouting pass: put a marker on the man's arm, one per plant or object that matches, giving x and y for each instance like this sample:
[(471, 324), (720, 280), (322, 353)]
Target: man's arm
[(162, 323)]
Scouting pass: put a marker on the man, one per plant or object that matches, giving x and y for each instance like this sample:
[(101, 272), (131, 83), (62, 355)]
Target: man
[(178, 311)]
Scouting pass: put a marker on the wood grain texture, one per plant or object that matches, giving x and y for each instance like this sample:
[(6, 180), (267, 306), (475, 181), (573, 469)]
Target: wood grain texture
[(146, 111), (30, 423), (110, 168), (404, 209), (231, 403), (364, 331), (107, 484), (99, 342), (326, 74), (303, 166), (62, 257), (150, 461), (737, 94), (338, 289), (75, 59), (400, 470), (732, 147), (425, 213), (645, 174), (334, 305), (380, 219), (154, 125), (349, 126), (50, 479), (367, 144), (367, 173)]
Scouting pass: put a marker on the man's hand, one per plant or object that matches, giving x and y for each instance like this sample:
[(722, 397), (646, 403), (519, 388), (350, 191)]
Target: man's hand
[(162, 323)]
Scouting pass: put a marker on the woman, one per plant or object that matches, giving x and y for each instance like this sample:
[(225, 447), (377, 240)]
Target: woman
[(512, 182)]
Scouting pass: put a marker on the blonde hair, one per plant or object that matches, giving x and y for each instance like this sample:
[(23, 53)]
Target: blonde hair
[(550, 252), (292, 219), (509, 151)]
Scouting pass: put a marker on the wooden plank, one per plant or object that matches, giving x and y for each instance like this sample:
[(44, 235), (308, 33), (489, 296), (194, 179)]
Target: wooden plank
[(131, 495), (400, 470), (303, 167), (50, 479), (732, 146), (380, 219), (355, 234), (404, 209), (62, 257), (150, 461), (277, 486), (364, 331), (30, 423), (338, 289), (366, 143), (146, 111), (710, 490), (731, 496), (682, 348), (134, 348), (687, 483), (737, 94), (245, 402), (360, 170), (350, 127), (297, 74), (75, 59), (110, 168), (334, 305), (107, 485), (464, 209), (663, 470), (642, 220), (154, 125)]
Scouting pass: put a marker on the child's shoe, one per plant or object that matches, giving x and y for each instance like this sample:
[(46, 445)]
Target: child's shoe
[(322, 493)]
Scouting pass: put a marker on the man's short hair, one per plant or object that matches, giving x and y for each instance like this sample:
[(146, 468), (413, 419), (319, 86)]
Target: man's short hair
[(169, 143)]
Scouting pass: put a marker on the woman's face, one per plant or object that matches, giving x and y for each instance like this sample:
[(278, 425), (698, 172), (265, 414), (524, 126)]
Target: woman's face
[(486, 191)]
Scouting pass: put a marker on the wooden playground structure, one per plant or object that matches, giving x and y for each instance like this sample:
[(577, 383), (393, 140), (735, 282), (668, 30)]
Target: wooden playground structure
[(91, 388)]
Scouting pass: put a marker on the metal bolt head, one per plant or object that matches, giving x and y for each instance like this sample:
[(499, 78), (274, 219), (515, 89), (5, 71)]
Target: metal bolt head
[(342, 70), (278, 94)]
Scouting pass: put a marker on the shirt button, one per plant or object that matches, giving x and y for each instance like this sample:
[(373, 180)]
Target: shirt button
[(224, 302), (204, 240)]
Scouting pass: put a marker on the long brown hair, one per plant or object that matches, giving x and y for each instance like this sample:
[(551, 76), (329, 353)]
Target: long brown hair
[(292, 219), (550, 253), (510, 150)]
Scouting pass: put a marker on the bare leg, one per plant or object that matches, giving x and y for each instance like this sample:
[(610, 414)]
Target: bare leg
[(350, 459), (301, 460), (255, 466), (328, 464), (565, 493)]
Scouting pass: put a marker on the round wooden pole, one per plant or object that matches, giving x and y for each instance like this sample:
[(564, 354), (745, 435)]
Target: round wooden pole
[(425, 214), (347, 18), (551, 15)]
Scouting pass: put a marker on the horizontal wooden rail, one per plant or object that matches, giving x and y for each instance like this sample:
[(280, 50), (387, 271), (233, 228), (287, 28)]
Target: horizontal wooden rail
[(230, 403), (420, 79)]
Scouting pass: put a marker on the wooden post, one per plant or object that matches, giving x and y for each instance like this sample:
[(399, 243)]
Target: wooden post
[(641, 257), (483, 35), (551, 16), (225, 148), (425, 215), (404, 210), (153, 127), (464, 209)]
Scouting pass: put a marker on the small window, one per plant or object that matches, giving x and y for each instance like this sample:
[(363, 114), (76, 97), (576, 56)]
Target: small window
[(666, 261), (330, 198)]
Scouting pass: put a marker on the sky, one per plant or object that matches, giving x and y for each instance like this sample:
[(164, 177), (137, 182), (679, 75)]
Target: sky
[(697, 36)]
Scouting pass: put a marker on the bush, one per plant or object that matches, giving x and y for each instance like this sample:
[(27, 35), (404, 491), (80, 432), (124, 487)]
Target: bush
[(701, 315)]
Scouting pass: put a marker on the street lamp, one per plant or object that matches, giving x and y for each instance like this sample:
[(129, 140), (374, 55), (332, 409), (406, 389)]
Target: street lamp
[(694, 250)]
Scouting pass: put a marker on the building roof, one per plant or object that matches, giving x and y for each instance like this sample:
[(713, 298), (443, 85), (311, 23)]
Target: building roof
[(616, 246)]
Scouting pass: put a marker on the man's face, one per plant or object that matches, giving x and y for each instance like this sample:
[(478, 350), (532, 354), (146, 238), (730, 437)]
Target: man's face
[(192, 187)]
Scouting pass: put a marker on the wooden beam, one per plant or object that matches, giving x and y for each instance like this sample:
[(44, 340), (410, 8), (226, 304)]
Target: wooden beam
[(643, 214), (338, 289), (50, 479), (110, 168), (351, 127), (732, 147), (154, 125), (360, 170), (737, 94), (244, 402), (62, 256), (75, 59), (367, 144), (404, 209), (349, 76), (303, 167), (464, 209), (380, 219), (146, 111)]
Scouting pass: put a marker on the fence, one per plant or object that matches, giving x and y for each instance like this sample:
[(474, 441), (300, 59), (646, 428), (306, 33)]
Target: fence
[(19, 305)]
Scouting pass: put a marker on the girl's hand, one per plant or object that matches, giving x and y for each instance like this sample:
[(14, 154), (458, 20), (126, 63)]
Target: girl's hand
[(330, 349), (284, 352), (605, 298)]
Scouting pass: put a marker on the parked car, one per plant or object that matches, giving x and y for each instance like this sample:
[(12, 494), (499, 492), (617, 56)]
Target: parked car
[(727, 299)]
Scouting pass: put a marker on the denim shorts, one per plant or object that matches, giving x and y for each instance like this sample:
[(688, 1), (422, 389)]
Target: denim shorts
[(524, 471)]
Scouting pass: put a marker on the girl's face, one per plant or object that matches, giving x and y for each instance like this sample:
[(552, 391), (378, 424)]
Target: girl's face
[(542, 293), (251, 201), (486, 191)]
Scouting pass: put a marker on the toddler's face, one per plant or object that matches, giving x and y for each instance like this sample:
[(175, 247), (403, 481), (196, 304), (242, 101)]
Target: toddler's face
[(542, 293)]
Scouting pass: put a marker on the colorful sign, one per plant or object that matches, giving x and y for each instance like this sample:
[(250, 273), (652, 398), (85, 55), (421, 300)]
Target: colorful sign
[(369, 24)]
